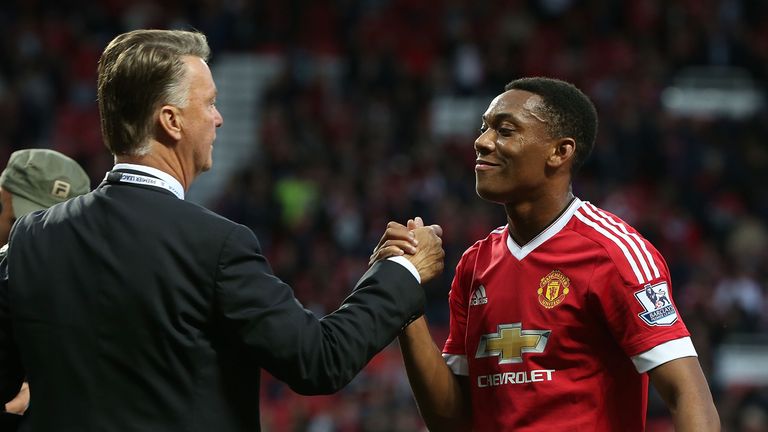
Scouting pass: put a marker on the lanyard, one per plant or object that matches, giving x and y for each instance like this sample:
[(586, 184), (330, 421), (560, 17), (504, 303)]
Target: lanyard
[(123, 177)]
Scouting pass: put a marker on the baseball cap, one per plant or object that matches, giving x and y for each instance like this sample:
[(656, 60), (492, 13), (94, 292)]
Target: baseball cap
[(40, 178)]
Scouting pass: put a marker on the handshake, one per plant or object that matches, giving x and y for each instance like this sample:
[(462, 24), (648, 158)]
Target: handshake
[(419, 244)]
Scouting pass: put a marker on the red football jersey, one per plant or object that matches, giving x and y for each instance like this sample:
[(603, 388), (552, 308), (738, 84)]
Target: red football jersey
[(557, 334)]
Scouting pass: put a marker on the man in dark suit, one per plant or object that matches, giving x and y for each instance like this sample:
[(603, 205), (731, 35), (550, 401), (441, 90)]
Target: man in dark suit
[(130, 309)]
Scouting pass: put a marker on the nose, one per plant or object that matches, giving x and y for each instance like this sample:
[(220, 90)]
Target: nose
[(219, 119), (484, 143)]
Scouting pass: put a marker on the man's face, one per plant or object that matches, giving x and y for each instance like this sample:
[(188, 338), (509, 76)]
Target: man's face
[(7, 218), (200, 117), (512, 149)]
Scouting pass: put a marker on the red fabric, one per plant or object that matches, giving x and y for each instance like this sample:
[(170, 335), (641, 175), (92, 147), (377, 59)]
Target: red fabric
[(583, 377)]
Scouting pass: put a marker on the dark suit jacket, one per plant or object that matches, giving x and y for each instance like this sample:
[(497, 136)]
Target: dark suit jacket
[(131, 310)]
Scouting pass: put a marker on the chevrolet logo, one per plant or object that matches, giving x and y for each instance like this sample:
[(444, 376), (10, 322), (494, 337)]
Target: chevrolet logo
[(511, 342)]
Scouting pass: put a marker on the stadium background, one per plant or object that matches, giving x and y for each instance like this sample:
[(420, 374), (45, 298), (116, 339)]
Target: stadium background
[(341, 115)]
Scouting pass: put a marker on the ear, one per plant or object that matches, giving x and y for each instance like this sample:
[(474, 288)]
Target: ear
[(563, 151), (170, 121)]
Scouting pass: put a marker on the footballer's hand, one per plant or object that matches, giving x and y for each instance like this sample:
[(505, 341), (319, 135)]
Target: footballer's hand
[(421, 245), (396, 241), (429, 255), (399, 240)]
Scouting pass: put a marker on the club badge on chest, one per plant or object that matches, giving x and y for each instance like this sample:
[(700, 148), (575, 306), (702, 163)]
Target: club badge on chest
[(553, 289)]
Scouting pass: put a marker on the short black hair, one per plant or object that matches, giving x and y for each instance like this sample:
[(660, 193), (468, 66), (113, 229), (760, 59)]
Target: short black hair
[(568, 111)]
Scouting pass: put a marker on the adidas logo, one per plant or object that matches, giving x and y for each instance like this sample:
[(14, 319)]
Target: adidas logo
[(478, 297)]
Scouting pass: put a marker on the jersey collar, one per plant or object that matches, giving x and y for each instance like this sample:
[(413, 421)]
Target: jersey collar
[(521, 252)]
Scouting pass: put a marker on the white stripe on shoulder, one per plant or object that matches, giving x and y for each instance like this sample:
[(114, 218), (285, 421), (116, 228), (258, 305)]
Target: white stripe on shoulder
[(615, 240), (457, 363), (589, 209), (499, 230), (666, 352), (637, 238)]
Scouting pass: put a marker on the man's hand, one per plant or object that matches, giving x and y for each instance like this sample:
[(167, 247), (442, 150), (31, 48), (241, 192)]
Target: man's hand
[(421, 245)]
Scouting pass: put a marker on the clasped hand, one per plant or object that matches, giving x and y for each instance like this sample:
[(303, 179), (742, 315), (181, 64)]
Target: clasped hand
[(420, 244)]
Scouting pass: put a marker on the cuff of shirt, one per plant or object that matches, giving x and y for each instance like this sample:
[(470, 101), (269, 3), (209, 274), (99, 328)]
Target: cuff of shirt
[(457, 364), (403, 261), (668, 351)]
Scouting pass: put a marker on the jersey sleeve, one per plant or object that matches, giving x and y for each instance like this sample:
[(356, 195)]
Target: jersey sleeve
[(640, 311), (454, 350)]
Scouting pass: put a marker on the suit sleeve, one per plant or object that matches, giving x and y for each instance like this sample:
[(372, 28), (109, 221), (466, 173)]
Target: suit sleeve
[(11, 370), (311, 355)]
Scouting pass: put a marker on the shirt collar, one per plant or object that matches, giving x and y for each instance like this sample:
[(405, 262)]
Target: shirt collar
[(175, 185)]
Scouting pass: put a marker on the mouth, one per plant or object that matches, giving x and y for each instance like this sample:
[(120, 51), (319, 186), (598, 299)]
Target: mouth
[(482, 165)]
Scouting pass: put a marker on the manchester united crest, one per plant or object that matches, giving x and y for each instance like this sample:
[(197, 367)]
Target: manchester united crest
[(553, 288)]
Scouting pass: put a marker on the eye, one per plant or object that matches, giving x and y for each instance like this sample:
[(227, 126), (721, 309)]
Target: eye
[(483, 128), (506, 132)]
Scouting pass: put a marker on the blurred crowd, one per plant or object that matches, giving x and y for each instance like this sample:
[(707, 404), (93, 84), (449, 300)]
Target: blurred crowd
[(339, 156)]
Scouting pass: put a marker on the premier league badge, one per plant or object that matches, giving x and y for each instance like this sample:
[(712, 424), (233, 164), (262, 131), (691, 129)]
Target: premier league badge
[(659, 310)]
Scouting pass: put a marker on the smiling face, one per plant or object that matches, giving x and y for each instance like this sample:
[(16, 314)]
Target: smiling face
[(513, 149), (200, 116)]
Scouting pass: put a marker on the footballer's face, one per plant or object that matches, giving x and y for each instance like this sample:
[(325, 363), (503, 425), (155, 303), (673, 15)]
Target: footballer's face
[(512, 149)]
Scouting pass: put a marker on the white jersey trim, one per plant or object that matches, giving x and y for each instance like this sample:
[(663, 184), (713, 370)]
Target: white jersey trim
[(634, 236), (618, 243), (521, 252), (457, 363), (666, 352), (640, 258)]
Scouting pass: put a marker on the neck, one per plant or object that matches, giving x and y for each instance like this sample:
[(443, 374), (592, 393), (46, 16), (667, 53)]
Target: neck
[(528, 219), (164, 159)]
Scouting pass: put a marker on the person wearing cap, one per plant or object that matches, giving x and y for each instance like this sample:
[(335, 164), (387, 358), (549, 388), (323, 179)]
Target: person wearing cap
[(34, 179)]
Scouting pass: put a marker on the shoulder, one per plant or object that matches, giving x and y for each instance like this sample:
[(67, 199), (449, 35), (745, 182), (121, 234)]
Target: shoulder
[(633, 255), (194, 208), (212, 228), (493, 239), (180, 214), (482, 247)]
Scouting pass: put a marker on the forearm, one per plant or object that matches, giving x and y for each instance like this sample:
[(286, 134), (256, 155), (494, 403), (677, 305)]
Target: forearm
[(683, 387), (693, 413), (384, 300), (441, 399)]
